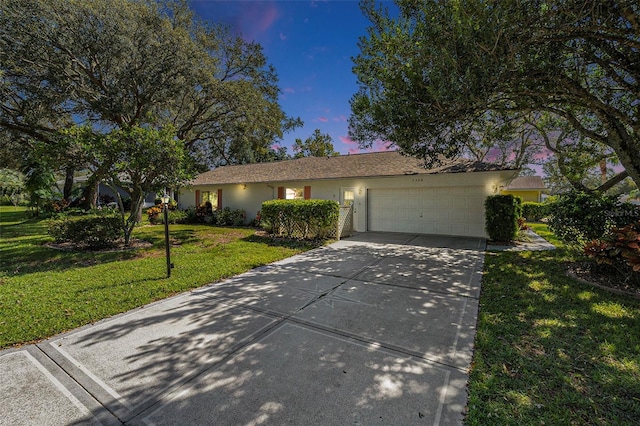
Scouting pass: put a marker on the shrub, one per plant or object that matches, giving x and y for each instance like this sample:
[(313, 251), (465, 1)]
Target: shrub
[(54, 207), (301, 218), (620, 248), (533, 211), (577, 217), (228, 217), (94, 232), (155, 214), (502, 212), (177, 216)]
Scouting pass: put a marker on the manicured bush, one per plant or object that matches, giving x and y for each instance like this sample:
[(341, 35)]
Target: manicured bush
[(94, 232), (502, 212), (306, 219), (577, 217), (533, 211)]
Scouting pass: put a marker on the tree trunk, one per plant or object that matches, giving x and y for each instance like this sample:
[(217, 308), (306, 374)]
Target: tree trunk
[(627, 148), (135, 216), (68, 183), (89, 196)]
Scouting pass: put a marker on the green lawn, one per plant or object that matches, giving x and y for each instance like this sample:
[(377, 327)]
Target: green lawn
[(45, 291), (550, 350)]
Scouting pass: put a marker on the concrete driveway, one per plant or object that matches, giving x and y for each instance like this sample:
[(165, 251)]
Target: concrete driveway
[(374, 329)]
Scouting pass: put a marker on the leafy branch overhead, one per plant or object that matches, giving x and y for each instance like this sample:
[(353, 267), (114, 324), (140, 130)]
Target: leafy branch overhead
[(120, 64), (429, 73)]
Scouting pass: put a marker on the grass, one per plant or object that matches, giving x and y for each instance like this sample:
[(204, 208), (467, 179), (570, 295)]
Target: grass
[(44, 291), (550, 350)]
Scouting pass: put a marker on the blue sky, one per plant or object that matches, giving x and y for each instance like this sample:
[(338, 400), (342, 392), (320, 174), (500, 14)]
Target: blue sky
[(311, 45)]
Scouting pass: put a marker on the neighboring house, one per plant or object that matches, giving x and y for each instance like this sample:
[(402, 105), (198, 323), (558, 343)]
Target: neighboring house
[(388, 191), (105, 191), (529, 188)]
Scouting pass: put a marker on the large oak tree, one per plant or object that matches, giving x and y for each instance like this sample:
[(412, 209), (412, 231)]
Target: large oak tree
[(430, 69), (120, 65)]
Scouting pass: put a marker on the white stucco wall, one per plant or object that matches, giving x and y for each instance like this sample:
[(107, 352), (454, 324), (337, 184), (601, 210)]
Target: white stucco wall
[(251, 196)]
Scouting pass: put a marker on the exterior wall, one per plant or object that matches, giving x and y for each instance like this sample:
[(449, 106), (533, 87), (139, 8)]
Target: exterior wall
[(251, 196), (526, 195)]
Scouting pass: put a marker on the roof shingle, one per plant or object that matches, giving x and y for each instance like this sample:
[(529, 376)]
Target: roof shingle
[(526, 182), (374, 164)]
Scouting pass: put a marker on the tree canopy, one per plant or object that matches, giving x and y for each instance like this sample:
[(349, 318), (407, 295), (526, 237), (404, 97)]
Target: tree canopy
[(317, 145), (118, 65), (427, 75)]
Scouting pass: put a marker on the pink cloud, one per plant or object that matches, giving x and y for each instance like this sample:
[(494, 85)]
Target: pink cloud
[(354, 150), (283, 37), (323, 119), (383, 146), (289, 90), (347, 140), (268, 17), (340, 119), (256, 18)]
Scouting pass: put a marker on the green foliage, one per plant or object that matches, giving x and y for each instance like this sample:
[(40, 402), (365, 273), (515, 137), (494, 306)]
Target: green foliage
[(619, 248), (428, 70), (301, 218), (578, 217), (317, 145), (228, 217), (533, 211), (94, 232), (129, 69), (549, 349), (502, 213), (45, 292), (205, 213), (11, 186)]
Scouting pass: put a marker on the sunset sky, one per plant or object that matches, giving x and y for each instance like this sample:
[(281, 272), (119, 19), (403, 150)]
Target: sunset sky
[(311, 45)]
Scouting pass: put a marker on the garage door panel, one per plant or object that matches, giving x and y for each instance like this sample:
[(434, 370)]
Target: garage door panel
[(440, 210)]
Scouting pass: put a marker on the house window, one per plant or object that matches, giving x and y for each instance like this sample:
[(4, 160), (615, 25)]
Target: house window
[(347, 197), (294, 193), (210, 196)]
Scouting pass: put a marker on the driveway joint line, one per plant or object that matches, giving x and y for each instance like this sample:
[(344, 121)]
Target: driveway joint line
[(82, 386), (428, 290), (390, 347)]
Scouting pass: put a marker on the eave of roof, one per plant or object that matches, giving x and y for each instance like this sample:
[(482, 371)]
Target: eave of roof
[(527, 183), (367, 165)]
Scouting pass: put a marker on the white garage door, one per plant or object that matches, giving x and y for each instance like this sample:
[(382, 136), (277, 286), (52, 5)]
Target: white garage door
[(442, 210)]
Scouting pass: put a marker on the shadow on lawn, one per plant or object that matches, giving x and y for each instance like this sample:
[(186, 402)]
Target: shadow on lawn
[(551, 345), (284, 242)]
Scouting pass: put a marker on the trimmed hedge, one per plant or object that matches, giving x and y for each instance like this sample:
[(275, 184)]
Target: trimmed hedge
[(502, 212), (95, 232), (533, 211), (301, 218), (578, 217)]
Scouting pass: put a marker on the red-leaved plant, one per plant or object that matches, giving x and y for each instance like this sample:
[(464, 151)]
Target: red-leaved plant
[(620, 245)]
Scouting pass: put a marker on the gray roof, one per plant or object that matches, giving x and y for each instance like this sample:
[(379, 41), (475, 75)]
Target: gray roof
[(526, 182), (374, 164)]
